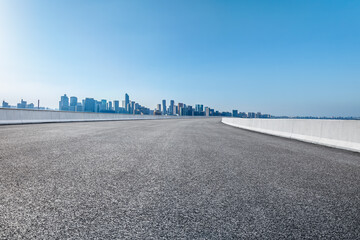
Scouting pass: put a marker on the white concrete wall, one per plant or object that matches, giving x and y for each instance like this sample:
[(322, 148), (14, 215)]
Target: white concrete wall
[(21, 116), (344, 134)]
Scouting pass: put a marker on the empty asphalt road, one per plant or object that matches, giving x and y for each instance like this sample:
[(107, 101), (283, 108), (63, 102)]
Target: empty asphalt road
[(170, 179)]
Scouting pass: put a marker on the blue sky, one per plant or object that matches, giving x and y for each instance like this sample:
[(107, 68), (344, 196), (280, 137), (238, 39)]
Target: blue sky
[(279, 57)]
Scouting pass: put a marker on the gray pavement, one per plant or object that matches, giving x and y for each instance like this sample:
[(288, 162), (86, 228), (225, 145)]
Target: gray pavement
[(171, 179)]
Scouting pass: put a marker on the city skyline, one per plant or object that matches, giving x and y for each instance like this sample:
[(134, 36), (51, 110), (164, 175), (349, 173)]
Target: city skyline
[(127, 106), (282, 57)]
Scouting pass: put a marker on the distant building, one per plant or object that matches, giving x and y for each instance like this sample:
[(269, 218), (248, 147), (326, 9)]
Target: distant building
[(157, 112), (132, 107), (242, 115), (5, 104), (158, 107), (89, 105), (30, 106), (64, 103), (73, 101), (79, 107), (110, 107), (189, 111), (207, 111), (127, 102), (22, 104), (116, 106), (164, 106), (199, 108), (235, 113), (73, 104), (171, 107), (251, 115), (103, 105)]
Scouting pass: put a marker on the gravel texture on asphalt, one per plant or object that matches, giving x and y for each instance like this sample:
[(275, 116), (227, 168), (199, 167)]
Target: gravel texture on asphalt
[(171, 179)]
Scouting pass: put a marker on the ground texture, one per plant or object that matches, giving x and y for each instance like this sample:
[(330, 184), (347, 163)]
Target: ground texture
[(170, 179)]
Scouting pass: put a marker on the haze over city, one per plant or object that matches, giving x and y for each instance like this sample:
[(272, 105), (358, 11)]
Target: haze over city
[(280, 57)]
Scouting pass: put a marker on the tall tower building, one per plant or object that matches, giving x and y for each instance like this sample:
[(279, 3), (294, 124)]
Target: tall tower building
[(127, 103), (89, 105), (171, 107), (116, 106), (164, 107), (64, 103), (73, 101)]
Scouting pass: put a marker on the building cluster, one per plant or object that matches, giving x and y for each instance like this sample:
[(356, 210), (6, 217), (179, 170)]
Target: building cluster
[(131, 107), (24, 105), (235, 113), (102, 106), (181, 109)]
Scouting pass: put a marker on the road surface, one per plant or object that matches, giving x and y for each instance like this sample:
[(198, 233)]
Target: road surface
[(170, 179)]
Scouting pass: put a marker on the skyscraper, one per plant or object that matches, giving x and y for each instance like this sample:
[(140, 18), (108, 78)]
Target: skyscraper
[(116, 106), (171, 107), (235, 113), (164, 107), (127, 103), (199, 108), (103, 106), (89, 105), (73, 101), (64, 103)]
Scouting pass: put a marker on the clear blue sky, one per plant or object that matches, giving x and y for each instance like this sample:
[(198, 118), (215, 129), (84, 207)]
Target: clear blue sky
[(279, 57)]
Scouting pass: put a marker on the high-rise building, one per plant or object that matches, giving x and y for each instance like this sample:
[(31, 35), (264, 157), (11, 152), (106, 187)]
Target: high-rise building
[(116, 106), (103, 105), (73, 104), (73, 101), (251, 115), (164, 107), (171, 107), (79, 107), (189, 111), (127, 102), (235, 113), (132, 107), (89, 105), (180, 109), (199, 108), (110, 108), (64, 103), (158, 107)]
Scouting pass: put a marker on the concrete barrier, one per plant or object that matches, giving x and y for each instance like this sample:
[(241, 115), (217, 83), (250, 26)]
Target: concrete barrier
[(343, 134), (23, 116)]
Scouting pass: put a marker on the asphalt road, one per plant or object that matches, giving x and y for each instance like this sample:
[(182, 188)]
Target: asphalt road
[(170, 179)]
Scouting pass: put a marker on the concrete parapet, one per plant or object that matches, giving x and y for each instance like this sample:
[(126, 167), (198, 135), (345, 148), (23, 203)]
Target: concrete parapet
[(22, 116), (344, 134)]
